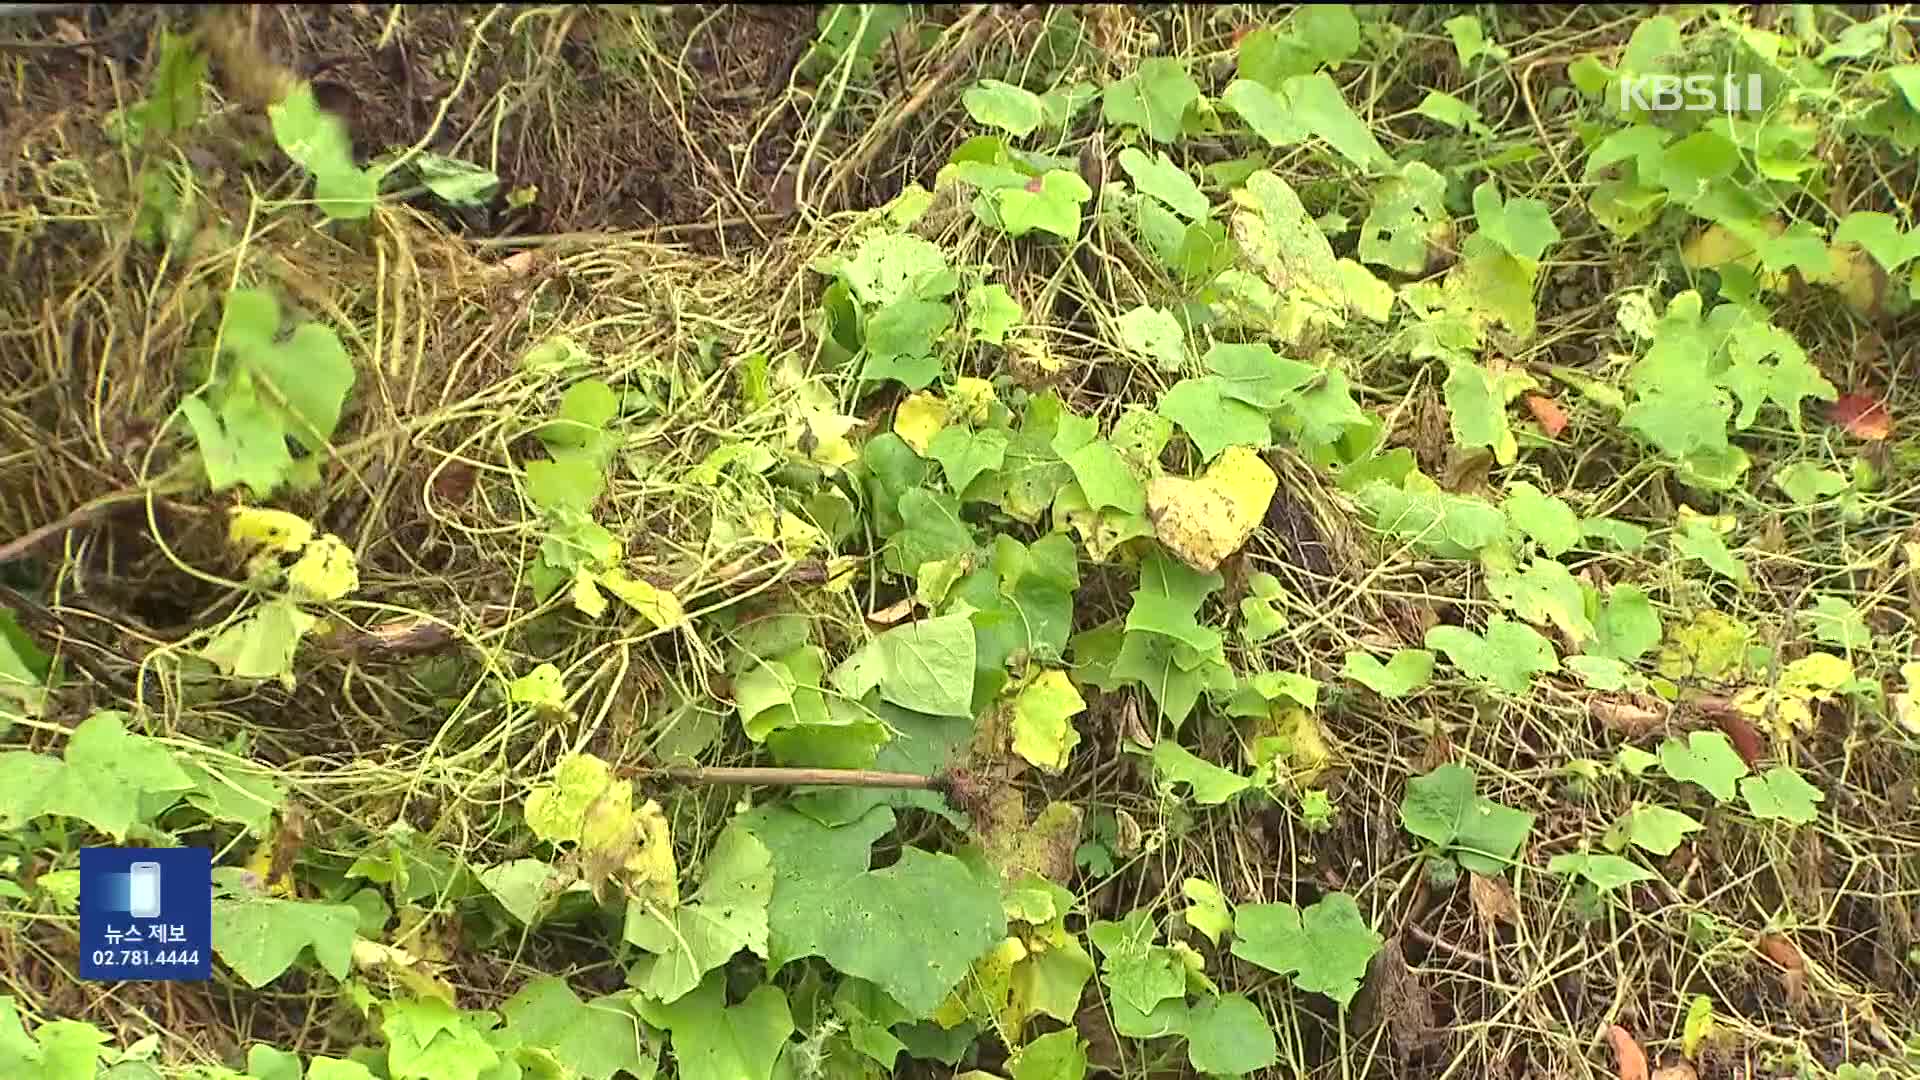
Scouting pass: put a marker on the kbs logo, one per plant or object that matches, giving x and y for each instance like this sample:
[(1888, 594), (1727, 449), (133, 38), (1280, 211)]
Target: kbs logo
[(1690, 93)]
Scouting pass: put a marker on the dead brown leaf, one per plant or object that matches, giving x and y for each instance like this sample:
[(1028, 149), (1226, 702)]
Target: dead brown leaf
[(1743, 736), (1629, 1060), (1626, 717), (1493, 900), (892, 613), (1682, 1071)]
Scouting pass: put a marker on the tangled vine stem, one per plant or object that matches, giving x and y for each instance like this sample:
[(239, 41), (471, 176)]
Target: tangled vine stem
[(779, 777)]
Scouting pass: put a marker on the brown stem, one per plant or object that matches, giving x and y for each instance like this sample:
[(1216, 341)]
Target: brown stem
[(778, 777), (85, 514)]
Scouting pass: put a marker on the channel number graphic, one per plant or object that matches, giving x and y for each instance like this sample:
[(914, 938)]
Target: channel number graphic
[(136, 894)]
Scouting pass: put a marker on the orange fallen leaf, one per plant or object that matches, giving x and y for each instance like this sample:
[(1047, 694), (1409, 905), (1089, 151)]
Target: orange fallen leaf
[(1781, 951), (1553, 419), (1861, 416), (1793, 967), (1629, 1059)]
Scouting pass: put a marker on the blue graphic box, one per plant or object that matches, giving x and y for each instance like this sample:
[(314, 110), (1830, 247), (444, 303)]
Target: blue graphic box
[(146, 914)]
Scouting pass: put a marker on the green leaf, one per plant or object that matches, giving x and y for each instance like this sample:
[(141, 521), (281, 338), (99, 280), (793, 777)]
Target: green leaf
[(1326, 948), (1105, 478), (1229, 1036), (1057, 1055), (891, 266), (1212, 418), (1207, 910), (1404, 672), (1656, 828), (1697, 539), (1606, 872), (1012, 109), (1140, 973), (900, 341), (1600, 672), (1329, 32), (571, 483), (1545, 592), (1524, 227), (243, 443), (1306, 106), (246, 798), (260, 938), (1782, 794), (1159, 177), (1043, 712), (1708, 759), (728, 914), (1407, 216), (991, 312), (928, 666), (57, 1050), (460, 183), (1210, 784), (1806, 483), (1880, 236), (1837, 622), (1155, 334), (427, 1039), (1154, 99), (1547, 520), (1050, 205), (108, 774), (1508, 657), (716, 1041), (1469, 40), (912, 929), (964, 455), (932, 531), (1624, 535), (318, 141), (592, 1039), (1477, 400), (1442, 808), (1256, 375), (1627, 628), (1451, 111)]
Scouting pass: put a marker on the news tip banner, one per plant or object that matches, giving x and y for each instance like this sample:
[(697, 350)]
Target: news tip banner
[(146, 914)]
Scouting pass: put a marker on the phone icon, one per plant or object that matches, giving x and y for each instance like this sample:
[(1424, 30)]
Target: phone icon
[(143, 890)]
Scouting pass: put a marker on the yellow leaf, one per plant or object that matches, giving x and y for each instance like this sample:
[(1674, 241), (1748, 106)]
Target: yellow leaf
[(325, 571), (401, 967), (586, 595), (971, 399), (250, 527), (799, 536), (842, 572), (651, 870), (919, 419), (1817, 672), (1717, 245), (1906, 706), (821, 437), (658, 606), (1203, 521), (1860, 281)]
